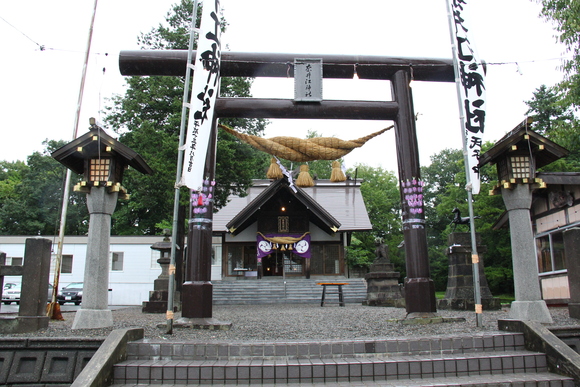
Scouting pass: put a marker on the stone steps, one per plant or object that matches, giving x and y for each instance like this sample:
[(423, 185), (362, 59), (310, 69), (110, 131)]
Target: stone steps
[(492, 359), (294, 291), (516, 379)]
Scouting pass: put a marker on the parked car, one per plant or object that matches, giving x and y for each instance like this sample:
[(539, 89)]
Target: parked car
[(11, 293), (71, 293)]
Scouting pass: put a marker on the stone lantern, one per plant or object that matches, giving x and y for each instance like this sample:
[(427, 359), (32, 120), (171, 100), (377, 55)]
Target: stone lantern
[(101, 160), (158, 297), (518, 155)]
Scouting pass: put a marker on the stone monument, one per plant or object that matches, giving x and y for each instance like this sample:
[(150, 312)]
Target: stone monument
[(35, 272), (460, 293), (383, 287)]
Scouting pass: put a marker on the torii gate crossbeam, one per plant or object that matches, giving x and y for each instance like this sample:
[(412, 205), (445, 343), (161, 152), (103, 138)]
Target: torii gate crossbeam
[(419, 288)]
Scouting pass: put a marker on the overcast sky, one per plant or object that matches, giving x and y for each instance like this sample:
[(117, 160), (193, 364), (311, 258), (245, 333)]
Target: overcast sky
[(39, 88)]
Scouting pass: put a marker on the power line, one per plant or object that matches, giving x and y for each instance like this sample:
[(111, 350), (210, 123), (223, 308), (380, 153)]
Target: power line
[(41, 46)]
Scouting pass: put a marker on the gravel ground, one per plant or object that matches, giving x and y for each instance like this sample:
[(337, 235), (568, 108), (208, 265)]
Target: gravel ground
[(293, 322)]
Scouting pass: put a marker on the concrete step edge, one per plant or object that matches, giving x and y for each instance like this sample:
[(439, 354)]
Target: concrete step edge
[(268, 360), (541, 379), (324, 370)]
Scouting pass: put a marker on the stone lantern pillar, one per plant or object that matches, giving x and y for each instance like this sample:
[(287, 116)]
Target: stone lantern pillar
[(101, 160), (518, 155)]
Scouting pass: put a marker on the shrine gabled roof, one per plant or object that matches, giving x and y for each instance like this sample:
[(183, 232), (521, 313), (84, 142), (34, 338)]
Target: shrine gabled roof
[(70, 157), (333, 206)]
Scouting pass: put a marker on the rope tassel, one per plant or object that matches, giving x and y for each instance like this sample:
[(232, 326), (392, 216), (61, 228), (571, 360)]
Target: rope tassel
[(337, 174), (304, 179), (274, 172)]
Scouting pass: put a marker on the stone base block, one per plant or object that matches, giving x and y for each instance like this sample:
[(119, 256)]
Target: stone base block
[(158, 295), (530, 311), (420, 295), (197, 299), (201, 323), (574, 309), (93, 318), (21, 324), (383, 290), (468, 304), (154, 307)]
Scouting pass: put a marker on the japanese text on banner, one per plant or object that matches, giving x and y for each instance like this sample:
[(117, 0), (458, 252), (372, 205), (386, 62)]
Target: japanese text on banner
[(204, 92), (470, 72)]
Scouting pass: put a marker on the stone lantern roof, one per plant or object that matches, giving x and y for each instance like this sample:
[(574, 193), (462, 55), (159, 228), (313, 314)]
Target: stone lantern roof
[(522, 137), (94, 143)]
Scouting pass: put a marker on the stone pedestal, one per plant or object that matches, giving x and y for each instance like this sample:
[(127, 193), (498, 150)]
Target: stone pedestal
[(158, 296), (460, 293), (572, 249), (383, 289), (382, 282)]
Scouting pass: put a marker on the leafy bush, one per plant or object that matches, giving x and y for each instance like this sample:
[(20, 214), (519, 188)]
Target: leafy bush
[(500, 280)]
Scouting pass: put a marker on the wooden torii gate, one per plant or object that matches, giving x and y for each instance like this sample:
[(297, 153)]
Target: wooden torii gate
[(419, 288)]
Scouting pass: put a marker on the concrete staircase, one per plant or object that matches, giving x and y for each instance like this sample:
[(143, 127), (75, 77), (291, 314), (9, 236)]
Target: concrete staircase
[(498, 359), (289, 291)]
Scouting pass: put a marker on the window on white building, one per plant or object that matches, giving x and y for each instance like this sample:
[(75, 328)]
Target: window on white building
[(66, 264), (117, 261)]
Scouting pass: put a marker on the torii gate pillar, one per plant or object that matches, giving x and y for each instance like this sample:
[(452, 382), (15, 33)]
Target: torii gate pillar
[(419, 288)]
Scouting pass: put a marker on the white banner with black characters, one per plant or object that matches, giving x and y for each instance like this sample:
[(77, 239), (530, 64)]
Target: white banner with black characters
[(470, 79), (204, 92)]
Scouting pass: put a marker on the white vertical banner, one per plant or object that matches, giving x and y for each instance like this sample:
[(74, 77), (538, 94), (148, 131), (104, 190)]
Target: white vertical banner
[(470, 80), (203, 96)]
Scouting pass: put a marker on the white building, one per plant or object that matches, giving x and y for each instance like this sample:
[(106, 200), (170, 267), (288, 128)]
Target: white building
[(132, 268)]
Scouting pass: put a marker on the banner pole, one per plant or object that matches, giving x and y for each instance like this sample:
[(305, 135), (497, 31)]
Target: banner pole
[(468, 170), (174, 232)]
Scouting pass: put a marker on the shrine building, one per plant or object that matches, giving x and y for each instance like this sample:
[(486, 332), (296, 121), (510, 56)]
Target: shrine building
[(282, 230)]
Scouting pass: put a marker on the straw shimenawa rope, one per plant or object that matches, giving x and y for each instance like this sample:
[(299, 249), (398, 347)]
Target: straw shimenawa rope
[(300, 150)]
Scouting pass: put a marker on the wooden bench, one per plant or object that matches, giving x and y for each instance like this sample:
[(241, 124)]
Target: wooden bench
[(339, 291)]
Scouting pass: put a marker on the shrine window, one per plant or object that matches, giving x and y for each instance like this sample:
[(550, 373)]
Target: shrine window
[(550, 252)]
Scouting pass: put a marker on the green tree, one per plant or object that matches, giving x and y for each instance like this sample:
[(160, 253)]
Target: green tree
[(556, 120), (565, 14), (10, 177), (33, 203), (444, 175), (148, 119), (444, 172), (444, 191), (380, 192), (548, 110)]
